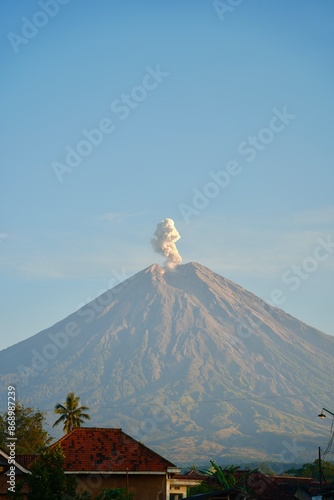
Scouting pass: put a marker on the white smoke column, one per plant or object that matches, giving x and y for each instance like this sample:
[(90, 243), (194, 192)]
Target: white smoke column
[(163, 242)]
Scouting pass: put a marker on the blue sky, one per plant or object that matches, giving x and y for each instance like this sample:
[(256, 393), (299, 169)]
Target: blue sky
[(183, 93)]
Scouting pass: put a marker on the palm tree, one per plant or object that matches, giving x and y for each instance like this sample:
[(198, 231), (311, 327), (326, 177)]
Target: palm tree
[(71, 414)]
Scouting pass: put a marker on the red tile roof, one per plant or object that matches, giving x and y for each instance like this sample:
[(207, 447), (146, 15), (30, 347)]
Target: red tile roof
[(294, 479), (99, 449), (25, 460)]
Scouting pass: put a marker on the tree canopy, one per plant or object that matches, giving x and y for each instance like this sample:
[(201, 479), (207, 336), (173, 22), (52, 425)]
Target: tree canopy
[(312, 470), (31, 437), (47, 480)]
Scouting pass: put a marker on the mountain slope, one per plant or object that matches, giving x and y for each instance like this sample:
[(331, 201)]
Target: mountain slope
[(188, 361)]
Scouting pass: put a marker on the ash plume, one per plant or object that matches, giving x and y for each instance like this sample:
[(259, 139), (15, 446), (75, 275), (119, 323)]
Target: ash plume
[(163, 242)]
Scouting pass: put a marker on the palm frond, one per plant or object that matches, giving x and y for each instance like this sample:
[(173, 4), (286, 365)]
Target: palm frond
[(60, 419), (71, 414)]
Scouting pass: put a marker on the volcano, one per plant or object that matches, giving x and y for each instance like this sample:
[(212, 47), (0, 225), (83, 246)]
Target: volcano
[(189, 363)]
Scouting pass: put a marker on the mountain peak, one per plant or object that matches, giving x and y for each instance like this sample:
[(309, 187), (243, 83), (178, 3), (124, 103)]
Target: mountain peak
[(191, 337)]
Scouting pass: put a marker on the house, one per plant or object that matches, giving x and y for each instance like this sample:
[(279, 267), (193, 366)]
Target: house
[(106, 458), (266, 488), (109, 458), (180, 484), (304, 488)]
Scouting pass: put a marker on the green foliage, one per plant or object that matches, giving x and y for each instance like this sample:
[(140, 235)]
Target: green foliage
[(312, 470), (31, 437), (47, 480), (72, 415), (83, 496), (224, 479), (115, 494), (201, 488)]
